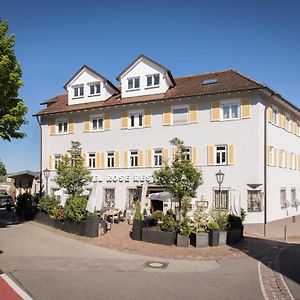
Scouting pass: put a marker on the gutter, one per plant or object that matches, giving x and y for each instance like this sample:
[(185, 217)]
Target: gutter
[(41, 160)]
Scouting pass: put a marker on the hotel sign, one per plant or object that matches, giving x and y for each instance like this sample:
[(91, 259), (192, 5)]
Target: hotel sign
[(128, 178)]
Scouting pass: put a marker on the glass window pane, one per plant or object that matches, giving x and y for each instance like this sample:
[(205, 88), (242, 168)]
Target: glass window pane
[(130, 83), (149, 80), (132, 120), (225, 112), (100, 123), (140, 120), (234, 111), (81, 91), (65, 127), (98, 88), (179, 116), (156, 79), (92, 89), (75, 92), (137, 82)]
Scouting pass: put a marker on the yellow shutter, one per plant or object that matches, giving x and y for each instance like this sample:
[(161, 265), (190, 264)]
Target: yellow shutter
[(148, 118), (245, 108), (126, 159), (50, 162), (275, 157), (52, 127), (210, 155), (117, 159), (283, 120), (299, 162), (286, 159), (215, 111), (291, 160), (167, 116), (193, 113), (149, 158), (294, 124), (86, 124), (165, 156), (230, 154), (100, 160), (268, 154), (70, 125), (141, 158), (194, 155), (280, 158), (124, 120), (107, 121), (281, 123), (269, 114)]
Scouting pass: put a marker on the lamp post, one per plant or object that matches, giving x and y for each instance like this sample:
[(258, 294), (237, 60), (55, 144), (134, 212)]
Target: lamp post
[(46, 175), (220, 178)]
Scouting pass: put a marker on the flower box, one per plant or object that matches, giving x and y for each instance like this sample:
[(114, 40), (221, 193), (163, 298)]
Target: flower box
[(182, 240), (199, 240), (153, 235)]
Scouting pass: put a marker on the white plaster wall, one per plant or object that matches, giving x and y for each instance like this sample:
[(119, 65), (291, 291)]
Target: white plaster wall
[(141, 69), (246, 135), (86, 77)]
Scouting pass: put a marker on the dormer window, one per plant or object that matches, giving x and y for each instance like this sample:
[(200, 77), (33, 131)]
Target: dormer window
[(133, 83), (153, 80), (78, 91), (94, 89)]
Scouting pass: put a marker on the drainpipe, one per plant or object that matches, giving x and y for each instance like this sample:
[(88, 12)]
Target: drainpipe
[(265, 164), (41, 145)]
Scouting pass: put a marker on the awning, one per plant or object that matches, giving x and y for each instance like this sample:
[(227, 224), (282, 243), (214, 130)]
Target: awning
[(162, 196)]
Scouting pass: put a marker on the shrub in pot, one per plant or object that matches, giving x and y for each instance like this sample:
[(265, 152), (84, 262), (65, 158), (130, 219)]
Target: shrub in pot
[(158, 216), (25, 206), (235, 229), (183, 236), (221, 218), (92, 224), (213, 237), (138, 223)]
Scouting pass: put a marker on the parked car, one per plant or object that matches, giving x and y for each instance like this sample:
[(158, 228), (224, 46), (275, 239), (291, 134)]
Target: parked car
[(5, 201)]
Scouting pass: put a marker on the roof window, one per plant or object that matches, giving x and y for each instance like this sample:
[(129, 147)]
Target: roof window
[(210, 81)]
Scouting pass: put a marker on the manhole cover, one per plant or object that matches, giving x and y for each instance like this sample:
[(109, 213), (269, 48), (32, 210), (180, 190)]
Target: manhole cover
[(156, 265)]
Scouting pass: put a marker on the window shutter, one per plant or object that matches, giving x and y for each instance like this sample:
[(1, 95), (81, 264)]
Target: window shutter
[(126, 159), (268, 155), (117, 159), (275, 157), (299, 162), (210, 155), (50, 162), (141, 158), (194, 155), (107, 121), (294, 127), (86, 124), (193, 113), (245, 108), (149, 158), (230, 154), (280, 158), (286, 159), (124, 120), (215, 111), (148, 118), (291, 160), (269, 114), (70, 125), (100, 160), (165, 156), (167, 116), (52, 127)]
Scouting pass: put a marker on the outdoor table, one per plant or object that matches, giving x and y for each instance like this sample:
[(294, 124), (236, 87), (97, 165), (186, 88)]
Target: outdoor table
[(111, 213)]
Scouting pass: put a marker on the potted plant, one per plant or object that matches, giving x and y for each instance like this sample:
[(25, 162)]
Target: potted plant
[(138, 223), (183, 236), (221, 218), (46, 206), (213, 229), (91, 224), (235, 229), (199, 236)]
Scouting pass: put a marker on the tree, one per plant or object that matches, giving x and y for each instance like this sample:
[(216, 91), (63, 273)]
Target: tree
[(182, 178), (72, 174), (12, 109), (2, 169)]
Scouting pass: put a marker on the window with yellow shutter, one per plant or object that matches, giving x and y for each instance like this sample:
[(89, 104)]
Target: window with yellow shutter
[(167, 116)]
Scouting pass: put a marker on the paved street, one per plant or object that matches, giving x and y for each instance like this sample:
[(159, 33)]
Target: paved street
[(49, 265)]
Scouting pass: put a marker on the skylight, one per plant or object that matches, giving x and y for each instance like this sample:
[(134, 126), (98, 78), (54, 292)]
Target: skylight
[(210, 81)]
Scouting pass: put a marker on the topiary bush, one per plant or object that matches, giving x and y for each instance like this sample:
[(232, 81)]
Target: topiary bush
[(212, 225), (185, 227), (168, 223), (138, 215), (221, 218), (75, 210), (48, 204), (234, 222), (158, 215), (24, 203)]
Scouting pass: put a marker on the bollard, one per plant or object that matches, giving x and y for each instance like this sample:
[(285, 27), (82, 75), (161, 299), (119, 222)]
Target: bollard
[(285, 237)]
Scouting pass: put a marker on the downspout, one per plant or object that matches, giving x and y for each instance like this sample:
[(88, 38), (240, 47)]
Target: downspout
[(41, 160), (265, 164)]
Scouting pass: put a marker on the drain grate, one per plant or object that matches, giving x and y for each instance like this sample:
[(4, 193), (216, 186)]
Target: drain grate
[(156, 265)]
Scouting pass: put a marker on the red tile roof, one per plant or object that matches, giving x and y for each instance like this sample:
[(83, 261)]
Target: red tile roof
[(228, 81)]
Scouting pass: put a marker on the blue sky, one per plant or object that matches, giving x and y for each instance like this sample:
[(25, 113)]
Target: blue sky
[(54, 39)]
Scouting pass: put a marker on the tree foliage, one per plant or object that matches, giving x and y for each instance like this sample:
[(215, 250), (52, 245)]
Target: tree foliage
[(12, 109), (2, 169), (72, 174), (182, 178)]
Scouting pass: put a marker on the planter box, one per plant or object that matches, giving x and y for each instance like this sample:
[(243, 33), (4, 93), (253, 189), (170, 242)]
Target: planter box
[(234, 236), (91, 227), (151, 235), (182, 240), (43, 218), (222, 237), (136, 231), (74, 227), (213, 238), (199, 240)]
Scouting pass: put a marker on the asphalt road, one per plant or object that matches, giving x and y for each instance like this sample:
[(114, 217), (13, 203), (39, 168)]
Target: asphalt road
[(51, 266)]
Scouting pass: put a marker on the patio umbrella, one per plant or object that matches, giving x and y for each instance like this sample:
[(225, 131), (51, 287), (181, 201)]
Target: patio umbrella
[(91, 204), (162, 196)]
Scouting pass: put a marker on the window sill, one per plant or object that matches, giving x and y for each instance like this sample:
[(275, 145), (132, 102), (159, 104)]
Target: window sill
[(140, 127), (152, 87), (94, 95), (231, 119), (79, 97), (133, 90)]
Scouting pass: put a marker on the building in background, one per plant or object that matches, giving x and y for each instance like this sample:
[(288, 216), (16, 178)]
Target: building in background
[(228, 122)]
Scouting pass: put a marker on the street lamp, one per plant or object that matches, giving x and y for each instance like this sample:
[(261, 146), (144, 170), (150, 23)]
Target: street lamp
[(220, 177), (46, 175)]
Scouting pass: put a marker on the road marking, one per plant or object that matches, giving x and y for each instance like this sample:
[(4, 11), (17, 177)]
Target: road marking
[(11, 290)]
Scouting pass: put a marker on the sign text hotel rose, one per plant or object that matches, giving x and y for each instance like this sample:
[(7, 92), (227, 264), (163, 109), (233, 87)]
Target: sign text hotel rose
[(128, 178)]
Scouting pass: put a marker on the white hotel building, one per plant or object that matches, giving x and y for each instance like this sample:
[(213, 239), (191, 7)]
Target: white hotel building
[(228, 121)]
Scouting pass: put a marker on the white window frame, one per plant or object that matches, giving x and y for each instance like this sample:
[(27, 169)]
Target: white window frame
[(157, 157), (282, 158), (109, 197), (133, 158), (96, 117), (56, 158), (294, 196), (254, 205), (275, 115), (187, 153), (80, 88), (110, 159), (272, 156), (230, 104), (94, 84), (92, 160), (134, 81), (224, 202), (131, 197), (138, 116), (283, 198), (178, 107), (220, 152), (64, 128), (152, 76)]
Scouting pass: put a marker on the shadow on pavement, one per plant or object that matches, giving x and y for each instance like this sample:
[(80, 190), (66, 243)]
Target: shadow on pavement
[(266, 252), (8, 218)]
